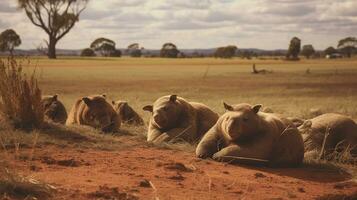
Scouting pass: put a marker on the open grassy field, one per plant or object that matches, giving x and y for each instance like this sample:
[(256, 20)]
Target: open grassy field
[(331, 86), (83, 163)]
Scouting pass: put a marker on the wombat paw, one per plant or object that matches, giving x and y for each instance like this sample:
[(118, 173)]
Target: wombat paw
[(218, 158), (203, 156)]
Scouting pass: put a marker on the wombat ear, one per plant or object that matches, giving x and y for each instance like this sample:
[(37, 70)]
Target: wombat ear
[(256, 108), (87, 100), (173, 98), (227, 107), (55, 97), (149, 108)]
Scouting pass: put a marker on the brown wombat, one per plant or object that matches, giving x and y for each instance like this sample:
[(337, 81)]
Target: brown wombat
[(244, 132), (175, 118), (127, 114), (54, 110), (96, 112), (340, 132)]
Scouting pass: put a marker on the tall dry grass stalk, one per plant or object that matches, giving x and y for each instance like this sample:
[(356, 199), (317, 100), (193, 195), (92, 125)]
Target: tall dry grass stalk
[(26, 187), (20, 96)]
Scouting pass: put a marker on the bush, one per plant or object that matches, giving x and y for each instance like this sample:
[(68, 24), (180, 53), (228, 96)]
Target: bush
[(136, 53), (88, 52), (115, 53), (225, 52), (20, 96)]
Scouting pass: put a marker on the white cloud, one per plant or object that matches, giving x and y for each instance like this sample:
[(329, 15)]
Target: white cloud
[(267, 24)]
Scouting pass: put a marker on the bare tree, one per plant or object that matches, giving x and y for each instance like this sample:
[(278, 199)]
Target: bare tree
[(55, 17)]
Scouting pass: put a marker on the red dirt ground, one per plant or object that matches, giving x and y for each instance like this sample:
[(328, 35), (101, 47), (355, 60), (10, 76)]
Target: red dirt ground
[(142, 172)]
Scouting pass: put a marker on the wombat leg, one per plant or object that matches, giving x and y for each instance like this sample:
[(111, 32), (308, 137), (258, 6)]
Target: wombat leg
[(236, 154), (227, 154), (161, 138), (169, 136), (153, 133), (208, 145)]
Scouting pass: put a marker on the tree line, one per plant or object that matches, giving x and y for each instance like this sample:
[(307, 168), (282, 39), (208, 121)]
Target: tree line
[(57, 18)]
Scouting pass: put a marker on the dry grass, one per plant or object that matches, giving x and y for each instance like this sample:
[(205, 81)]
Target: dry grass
[(340, 159), (15, 185), (83, 137), (20, 101)]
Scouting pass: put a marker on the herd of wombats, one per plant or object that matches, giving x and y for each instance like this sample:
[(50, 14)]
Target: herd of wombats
[(243, 134)]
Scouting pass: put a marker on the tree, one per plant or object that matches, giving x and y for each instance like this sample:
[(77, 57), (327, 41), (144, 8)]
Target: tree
[(9, 40), (294, 49), (330, 51), (87, 52), (307, 51), (134, 50), (169, 50), (105, 46), (55, 17), (348, 46), (225, 52)]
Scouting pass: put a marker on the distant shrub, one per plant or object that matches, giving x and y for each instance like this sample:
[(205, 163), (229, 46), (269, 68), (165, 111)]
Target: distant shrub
[(169, 50), (308, 51), (20, 96), (88, 52), (136, 53), (225, 52), (105, 46), (294, 49), (134, 50), (115, 53)]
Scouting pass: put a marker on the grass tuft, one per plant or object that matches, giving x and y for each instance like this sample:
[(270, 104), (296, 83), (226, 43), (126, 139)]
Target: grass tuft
[(20, 96), (23, 187)]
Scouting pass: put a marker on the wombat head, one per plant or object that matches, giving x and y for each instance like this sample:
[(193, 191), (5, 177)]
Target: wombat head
[(165, 111), (47, 101), (51, 106), (124, 110), (99, 113), (240, 121)]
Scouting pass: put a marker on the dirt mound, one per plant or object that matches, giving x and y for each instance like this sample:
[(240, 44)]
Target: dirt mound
[(177, 166), (65, 162), (110, 193), (338, 197)]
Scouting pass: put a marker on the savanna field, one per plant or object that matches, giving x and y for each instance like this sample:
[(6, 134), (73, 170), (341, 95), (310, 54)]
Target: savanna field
[(82, 163), (330, 86)]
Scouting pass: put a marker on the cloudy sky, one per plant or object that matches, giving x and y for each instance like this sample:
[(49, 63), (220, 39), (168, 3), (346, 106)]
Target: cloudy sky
[(265, 24)]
